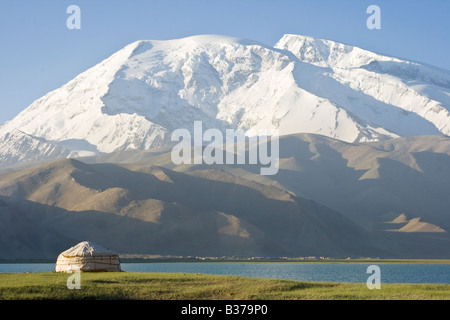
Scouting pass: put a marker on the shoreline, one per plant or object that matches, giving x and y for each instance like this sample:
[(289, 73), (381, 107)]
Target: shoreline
[(250, 260)]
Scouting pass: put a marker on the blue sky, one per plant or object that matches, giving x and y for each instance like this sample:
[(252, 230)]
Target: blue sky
[(39, 53)]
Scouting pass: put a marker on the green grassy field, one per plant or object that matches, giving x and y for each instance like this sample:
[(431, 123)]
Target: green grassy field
[(179, 286)]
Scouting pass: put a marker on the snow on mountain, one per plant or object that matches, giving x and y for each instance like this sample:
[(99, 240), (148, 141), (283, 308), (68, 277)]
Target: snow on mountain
[(138, 96), (18, 147), (74, 112), (404, 97)]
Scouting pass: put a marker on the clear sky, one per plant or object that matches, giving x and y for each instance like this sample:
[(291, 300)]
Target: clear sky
[(39, 53)]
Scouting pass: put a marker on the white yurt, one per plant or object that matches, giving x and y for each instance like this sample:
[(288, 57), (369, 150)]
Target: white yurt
[(87, 257)]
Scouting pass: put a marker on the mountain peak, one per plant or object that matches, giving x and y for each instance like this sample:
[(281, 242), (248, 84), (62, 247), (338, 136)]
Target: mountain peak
[(134, 99), (328, 53)]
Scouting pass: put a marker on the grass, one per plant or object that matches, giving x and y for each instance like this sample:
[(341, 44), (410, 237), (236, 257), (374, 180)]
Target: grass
[(179, 286)]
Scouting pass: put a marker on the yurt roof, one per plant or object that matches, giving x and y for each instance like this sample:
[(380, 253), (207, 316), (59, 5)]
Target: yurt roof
[(87, 249)]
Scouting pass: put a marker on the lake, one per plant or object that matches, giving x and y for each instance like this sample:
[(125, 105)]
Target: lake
[(339, 272)]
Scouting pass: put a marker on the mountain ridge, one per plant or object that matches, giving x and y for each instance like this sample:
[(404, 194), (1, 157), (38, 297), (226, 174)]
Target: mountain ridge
[(142, 212), (135, 98), (330, 198)]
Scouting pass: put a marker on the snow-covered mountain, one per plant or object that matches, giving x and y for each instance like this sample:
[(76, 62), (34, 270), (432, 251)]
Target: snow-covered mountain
[(404, 97), (135, 98)]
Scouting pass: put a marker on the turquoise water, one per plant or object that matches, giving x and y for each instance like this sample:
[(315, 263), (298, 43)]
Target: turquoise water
[(340, 272)]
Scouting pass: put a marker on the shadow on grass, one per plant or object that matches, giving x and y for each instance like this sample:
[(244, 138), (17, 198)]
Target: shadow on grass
[(309, 285), (104, 281)]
